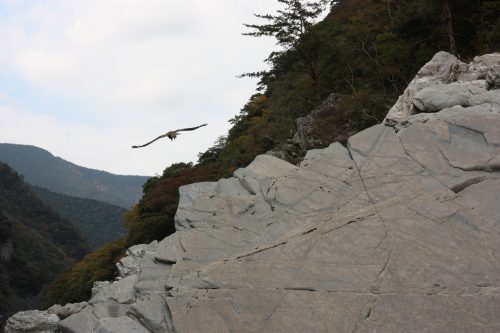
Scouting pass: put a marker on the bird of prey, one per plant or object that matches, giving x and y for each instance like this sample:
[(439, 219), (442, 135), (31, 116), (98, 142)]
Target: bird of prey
[(171, 135)]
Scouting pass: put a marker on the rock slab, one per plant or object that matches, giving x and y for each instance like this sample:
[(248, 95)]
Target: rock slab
[(397, 232)]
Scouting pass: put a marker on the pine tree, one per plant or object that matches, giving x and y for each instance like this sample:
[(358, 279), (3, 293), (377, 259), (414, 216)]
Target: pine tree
[(292, 28)]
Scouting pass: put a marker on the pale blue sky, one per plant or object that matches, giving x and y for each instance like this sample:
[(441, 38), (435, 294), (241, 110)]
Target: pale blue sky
[(86, 79), (28, 97)]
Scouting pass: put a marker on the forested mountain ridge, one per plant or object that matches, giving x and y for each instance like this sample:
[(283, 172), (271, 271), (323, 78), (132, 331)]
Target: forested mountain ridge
[(41, 168), (36, 244), (98, 222), (365, 51)]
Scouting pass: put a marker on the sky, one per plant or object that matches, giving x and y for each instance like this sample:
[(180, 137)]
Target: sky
[(87, 79)]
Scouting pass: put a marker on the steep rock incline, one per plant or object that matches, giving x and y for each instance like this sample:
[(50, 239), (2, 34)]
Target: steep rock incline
[(400, 231)]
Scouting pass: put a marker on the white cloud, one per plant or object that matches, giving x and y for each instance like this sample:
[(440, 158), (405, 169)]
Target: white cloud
[(139, 68), (96, 147)]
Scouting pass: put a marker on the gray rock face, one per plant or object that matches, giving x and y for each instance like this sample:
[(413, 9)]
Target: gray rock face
[(444, 82), (432, 99), (130, 263), (32, 321), (83, 321), (398, 232), (493, 78), (305, 137), (67, 310)]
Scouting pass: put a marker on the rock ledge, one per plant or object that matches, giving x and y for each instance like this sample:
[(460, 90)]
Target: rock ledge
[(398, 232)]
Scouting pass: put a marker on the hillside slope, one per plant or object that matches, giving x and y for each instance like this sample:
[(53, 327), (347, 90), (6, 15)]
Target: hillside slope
[(98, 222), (35, 243), (41, 168)]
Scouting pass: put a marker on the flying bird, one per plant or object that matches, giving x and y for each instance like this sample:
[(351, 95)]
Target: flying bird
[(171, 135)]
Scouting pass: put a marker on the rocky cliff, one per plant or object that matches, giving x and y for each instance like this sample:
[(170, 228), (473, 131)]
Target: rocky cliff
[(398, 231)]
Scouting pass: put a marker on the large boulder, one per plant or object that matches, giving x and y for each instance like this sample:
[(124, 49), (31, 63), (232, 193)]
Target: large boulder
[(397, 232), (444, 82), (32, 321)]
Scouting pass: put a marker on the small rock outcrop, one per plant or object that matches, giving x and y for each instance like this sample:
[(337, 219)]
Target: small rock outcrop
[(446, 82), (305, 135), (32, 321), (398, 232)]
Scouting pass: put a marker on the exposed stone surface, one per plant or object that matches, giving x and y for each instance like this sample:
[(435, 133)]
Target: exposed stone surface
[(32, 321), (303, 136), (445, 81), (80, 322), (493, 78), (67, 310), (130, 263), (432, 99), (306, 136), (398, 232), (121, 291), (153, 313)]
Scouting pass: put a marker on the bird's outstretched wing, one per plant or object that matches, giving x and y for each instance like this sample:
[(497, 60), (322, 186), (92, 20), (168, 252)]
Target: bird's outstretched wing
[(150, 142), (171, 135), (190, 128)]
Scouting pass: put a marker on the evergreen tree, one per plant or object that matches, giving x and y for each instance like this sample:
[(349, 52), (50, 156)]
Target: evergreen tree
[(293, 29)]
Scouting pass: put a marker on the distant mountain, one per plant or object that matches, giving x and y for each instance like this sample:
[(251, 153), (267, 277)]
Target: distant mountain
[(99, 222), (41, 168), (36, 244)]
